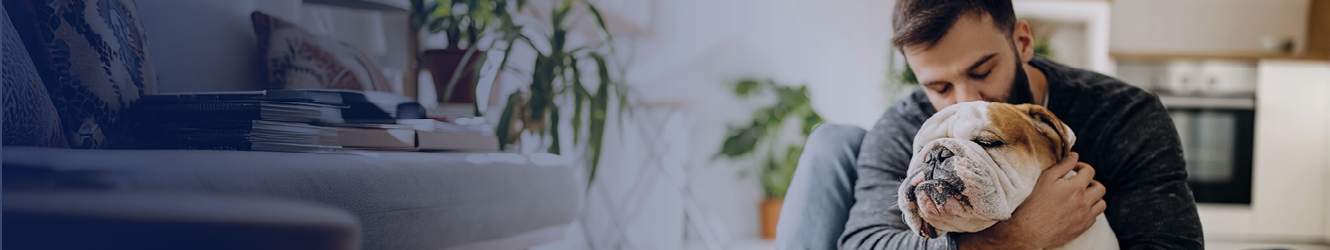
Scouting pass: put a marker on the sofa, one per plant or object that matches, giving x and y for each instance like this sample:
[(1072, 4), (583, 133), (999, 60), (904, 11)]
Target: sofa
[(72, 68), (398, 200)]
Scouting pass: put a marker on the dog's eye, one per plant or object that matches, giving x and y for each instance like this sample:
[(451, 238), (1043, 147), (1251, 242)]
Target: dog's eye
[(988, 143)]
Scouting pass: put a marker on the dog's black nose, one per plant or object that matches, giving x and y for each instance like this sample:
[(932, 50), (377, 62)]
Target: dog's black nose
[(937, 162), (941, 181), (940, 154)]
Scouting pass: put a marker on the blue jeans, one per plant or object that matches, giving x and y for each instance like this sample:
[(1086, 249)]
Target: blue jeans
[(819, 200)]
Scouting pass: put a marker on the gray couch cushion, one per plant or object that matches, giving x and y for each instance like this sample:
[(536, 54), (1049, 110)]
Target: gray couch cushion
[(404, 200), (147, 220), (29, 117)]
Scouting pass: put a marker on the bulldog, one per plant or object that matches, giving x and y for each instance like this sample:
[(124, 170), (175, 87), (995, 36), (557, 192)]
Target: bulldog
[(975, 162)]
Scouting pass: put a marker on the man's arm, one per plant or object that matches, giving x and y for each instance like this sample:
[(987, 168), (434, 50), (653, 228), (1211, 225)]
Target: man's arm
[(875, 220), (1149, 203)]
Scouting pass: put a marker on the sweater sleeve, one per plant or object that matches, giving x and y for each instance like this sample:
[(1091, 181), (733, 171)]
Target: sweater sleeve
[(875, 221), (1149, 203)]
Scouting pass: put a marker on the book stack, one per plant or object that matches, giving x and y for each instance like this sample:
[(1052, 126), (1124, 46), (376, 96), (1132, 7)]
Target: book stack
[(297, 121), (418, 135)]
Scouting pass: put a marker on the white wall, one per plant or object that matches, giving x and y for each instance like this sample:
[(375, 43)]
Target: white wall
[(839, 50), (209, 45), (693, 49), (1080, 37), (697, 47), (1205, 25), (204, 45)]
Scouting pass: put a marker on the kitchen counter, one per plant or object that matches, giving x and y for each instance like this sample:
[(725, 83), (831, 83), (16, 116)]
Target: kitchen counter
[(1212, 245)]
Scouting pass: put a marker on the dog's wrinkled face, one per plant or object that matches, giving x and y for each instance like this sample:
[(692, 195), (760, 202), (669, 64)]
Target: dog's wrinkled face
[(974, 162)]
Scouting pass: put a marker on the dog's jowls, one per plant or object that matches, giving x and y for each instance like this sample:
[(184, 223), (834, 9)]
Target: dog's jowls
[(975, 162)]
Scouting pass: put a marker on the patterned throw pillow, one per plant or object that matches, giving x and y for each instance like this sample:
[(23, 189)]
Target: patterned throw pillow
[(92, 56), (297, 59), (29, 117)]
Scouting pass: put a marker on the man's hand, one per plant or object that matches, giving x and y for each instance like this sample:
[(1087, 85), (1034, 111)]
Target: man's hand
[(1056, 212)]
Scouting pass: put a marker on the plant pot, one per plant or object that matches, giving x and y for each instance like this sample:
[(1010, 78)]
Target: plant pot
[(770, 216), (443, 62)]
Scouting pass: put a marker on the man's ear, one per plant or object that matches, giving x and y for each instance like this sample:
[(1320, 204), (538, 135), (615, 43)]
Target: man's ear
[(1023, 39), (1051, 126)]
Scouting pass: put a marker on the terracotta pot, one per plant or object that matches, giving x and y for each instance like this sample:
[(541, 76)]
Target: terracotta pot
[(443, 62), (770, 216)]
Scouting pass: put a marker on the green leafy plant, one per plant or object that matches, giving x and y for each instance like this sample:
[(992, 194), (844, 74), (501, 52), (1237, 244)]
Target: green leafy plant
[(763, 133), (556, 80), (463, 19)]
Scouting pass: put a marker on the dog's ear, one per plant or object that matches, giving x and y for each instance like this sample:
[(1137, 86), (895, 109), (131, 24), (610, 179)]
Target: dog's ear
[(1051, 126)]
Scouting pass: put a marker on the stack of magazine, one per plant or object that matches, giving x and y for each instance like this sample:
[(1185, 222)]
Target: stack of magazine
[(297, 121), (419, 135)]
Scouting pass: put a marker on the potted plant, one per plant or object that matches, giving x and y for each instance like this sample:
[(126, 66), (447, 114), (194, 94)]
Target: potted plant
[(557, 82), (763, 138), (557, 86), (455, 69), (556, 79)]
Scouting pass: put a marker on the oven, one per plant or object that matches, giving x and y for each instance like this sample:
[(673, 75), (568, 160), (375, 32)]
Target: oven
[(1217, 145), (1212, 103)]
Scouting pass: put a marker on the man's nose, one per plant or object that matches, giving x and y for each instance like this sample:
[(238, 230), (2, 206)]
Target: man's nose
[(965, 93)]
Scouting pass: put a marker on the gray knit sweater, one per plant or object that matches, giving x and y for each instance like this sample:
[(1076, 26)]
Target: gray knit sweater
[(1121, 130)]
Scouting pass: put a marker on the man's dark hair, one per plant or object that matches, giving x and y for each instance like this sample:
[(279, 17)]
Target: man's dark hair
[(916, 22)]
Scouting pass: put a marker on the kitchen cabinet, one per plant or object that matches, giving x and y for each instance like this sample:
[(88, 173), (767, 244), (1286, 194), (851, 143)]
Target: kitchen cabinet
[(1220, 29), (1206, 26), (1326, 209), (1291, 172)]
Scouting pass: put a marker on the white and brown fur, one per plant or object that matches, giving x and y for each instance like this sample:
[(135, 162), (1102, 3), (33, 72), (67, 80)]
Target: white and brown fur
[(975, 162)]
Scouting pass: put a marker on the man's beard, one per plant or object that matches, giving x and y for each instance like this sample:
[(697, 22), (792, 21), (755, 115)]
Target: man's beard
[(1020, 85)]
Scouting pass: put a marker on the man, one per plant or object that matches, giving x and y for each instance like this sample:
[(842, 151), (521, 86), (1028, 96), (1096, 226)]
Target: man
[(972, 50)]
